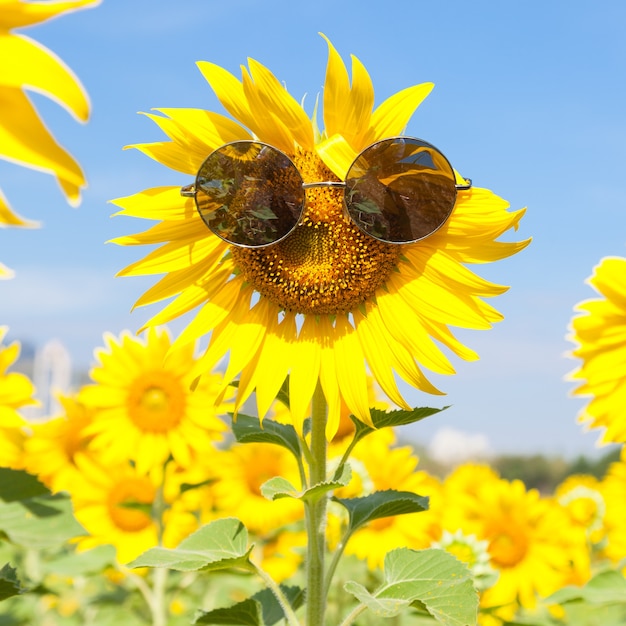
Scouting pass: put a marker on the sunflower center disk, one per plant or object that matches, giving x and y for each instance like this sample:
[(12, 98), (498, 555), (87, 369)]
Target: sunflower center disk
[(156, 402), (508, 546), (127, 501), (326, 265)]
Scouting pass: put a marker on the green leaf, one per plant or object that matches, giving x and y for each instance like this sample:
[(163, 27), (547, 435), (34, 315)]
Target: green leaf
[(189, 486), (262, 609), (382, 504), (219, 545), (248, 429), (432, 579), (17, 485), (279, 487), (40, 522), (81, 563), (9, 584), (606, 587), (389, 419), (383, 607)]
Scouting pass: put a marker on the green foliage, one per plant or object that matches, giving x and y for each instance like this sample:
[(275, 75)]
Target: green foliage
[(278, 487), (381, 504), (261, 609), (9, 583), (221, 544), (430, 579), (248, 429)]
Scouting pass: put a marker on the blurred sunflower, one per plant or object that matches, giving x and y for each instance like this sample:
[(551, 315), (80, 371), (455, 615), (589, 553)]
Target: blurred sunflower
[(327, 299), (613, 488), (377, 465), (24, 138), (143, 407), (16, 391), (51, 449), (531, 541), (582, 497), (599, 330), (115, 505), (237, 490)]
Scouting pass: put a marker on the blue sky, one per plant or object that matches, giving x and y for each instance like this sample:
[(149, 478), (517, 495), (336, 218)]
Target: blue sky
[(529, 101)]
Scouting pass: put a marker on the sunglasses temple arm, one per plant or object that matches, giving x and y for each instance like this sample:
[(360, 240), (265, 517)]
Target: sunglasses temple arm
[(188, 191), (467, 185)]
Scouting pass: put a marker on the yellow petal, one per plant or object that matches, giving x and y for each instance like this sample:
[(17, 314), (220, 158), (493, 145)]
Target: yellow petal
[(336, 92), (16, 14), (268, 126), (328, 375), (273, 363), (9, 218), (171, 155), (403, 360), (347, 109), (376, 351), (173, 256), (305, 371), (350, 368), (337, 155), (391, 117), (25, 140), (40, 70), (229, 91), (157, 203), (189, 299), (404, 325), (362, 102), (213, 312), (209, 129), (282, 104), (6, 272)]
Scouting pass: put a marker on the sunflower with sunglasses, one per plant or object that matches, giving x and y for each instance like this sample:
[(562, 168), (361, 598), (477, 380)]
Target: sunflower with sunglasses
[(318, 256)]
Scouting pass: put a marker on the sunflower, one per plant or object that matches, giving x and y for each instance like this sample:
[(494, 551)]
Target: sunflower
[(16, 391), (582, 496), (599, 330), (115, 505), (327, 300), (24, 138), (143, 407), (531, 541), (51, 449)]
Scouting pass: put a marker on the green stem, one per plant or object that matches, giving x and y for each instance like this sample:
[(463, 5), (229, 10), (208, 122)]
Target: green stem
[(290, 616), (316, 513), (333, 564), (361, 608), (159, 583), (159, 574)]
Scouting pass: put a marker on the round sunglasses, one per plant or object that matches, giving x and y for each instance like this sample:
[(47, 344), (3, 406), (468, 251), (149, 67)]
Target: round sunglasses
[(398, 190)]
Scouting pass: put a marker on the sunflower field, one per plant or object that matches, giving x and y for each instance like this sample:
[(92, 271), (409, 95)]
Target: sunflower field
[(250, 467)]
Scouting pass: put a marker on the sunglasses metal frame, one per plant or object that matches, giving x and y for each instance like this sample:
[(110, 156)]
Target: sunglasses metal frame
[(190, 191)]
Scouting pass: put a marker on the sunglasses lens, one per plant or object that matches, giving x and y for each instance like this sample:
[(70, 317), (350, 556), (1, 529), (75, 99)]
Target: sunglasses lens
[(249, 194), (400, 190)]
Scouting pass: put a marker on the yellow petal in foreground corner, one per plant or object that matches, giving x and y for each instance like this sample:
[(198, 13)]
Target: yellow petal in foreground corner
[(24, 138), (349, 303), (599, 331)]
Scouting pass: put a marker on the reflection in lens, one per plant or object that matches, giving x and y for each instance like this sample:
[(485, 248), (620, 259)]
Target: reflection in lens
[(249, 193), (400, 190)]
